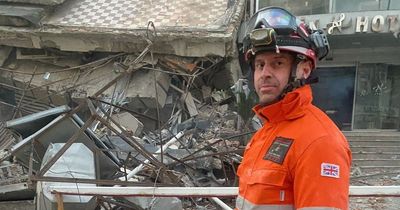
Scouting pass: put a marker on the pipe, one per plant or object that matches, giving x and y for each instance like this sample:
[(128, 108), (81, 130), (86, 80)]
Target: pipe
[(221, 203)]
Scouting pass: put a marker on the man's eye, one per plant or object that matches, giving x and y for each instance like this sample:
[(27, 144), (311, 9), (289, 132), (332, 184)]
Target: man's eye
[(259, 66), (278, 63)]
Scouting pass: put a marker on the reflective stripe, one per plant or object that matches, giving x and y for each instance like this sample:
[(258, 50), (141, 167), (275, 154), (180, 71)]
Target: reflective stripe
[(282, 195), (319, 208), (243, 204)]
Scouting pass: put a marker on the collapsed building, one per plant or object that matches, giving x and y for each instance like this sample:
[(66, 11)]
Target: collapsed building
[(118, 93)]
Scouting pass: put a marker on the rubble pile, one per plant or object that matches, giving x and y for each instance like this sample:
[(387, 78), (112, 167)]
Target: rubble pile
[(377, 177), (375, 163), (85, 120), (92, 95), (92, 120)]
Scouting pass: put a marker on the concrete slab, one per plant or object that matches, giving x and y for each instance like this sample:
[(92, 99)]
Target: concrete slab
[(134, 14), (129, 122), (18, 191), (190, 105), (120, 26), (148, 89)]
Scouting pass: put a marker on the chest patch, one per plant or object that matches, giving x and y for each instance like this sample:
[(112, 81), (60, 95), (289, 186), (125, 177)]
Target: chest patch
[(278, 150)]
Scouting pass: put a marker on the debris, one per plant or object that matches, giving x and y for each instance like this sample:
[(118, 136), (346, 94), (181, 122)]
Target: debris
[(183, 92), (179, 66), (129, 123), (4, 53), (206, 92), (356, 172), (60, 130), (190, 105), (91, 109), (156, 203), (163, 148), (396, 177), (148, 89)]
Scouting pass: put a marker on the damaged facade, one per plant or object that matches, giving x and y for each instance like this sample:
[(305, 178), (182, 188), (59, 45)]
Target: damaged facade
[(118, 93)]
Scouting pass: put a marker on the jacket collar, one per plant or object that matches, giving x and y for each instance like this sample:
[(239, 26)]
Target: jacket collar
[(292, 106)]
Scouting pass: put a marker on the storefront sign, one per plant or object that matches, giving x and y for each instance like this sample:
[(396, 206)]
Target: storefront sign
[(356, 22)]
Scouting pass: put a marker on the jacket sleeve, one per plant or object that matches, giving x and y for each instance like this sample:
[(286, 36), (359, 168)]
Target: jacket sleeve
[(321, 175)]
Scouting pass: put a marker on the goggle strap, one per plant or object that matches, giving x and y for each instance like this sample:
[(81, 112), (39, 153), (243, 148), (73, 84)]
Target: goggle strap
[(289, 41)]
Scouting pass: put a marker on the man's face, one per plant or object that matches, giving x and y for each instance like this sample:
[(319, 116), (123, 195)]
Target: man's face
[(271, 74)]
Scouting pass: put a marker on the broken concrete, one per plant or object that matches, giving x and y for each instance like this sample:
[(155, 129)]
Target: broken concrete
[(129, 123), (17, 205), (44, 2), (20, 15), (14, 181), (156, 203), (190, 105), (148, 89)]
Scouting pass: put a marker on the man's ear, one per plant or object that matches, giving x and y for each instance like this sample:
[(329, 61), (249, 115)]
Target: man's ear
[(304, 69)]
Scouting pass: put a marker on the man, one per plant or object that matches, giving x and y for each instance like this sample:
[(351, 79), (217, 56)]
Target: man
[(299, 159)]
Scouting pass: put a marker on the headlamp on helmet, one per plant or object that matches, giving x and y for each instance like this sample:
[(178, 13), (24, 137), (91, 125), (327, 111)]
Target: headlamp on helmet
[(259, 39), (262, 36)]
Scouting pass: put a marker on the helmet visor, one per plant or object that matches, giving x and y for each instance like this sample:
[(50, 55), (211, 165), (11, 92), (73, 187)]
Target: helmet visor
[(277, 17), (274, 17)]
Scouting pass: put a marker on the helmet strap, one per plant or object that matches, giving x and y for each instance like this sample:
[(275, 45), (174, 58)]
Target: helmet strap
[(294, 82)]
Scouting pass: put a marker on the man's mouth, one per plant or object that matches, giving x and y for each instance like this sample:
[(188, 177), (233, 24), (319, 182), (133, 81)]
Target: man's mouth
[(267, 88)]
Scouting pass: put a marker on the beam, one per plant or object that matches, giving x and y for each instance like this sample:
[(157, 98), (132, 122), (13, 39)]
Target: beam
[(355, 191), (147, 191)]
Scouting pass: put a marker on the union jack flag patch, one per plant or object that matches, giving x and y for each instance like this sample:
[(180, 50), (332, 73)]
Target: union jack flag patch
[(330, 170)]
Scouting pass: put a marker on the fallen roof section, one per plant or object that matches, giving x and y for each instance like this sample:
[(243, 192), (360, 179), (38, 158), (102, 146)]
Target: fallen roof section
[(122, 26)]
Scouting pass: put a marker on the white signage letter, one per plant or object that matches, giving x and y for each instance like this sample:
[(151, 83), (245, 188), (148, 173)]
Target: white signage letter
[(377, 23), (361, 23), (393, 22)]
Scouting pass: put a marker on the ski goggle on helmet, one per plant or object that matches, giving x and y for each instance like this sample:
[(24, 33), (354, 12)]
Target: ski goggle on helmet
[(275, 29)]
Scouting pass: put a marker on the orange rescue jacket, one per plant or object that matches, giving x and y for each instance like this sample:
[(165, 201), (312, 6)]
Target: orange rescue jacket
[(299, 159)]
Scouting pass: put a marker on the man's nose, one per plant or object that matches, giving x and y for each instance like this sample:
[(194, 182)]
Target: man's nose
[(266, 71)]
